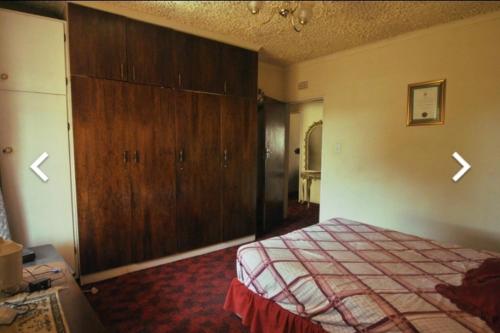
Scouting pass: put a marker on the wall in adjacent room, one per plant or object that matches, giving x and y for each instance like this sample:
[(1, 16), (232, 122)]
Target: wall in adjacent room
[(399, 177), (294, 130)]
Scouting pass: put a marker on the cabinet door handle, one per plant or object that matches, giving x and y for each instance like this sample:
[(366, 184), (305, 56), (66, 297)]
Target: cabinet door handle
[(125, 156), (180, 80), (226, 158), (225, 87), (122, 70), (133, 72), (136, 157), (181, 159), (4, 76)]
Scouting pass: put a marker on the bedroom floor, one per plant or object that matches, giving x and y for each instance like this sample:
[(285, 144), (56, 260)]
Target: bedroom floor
[(184, 296)]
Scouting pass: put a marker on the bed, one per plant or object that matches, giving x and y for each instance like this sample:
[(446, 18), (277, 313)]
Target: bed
[(346, 276)]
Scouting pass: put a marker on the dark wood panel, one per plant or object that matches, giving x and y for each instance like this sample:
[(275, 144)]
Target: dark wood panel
[(272, 163), (199, 64), (238, 149), (198, 170), (178, 56), (152, 170), (97, 43), (240, 71), (149, 54), (102, 176)]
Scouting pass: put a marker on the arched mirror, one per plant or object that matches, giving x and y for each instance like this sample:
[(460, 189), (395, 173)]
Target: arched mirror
[(312, 153), (313, 147)]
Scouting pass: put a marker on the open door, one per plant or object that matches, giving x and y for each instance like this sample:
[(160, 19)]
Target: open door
[(272, 164)]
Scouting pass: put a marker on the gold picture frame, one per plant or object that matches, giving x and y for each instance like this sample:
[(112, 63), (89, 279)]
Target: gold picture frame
[(426, 103)]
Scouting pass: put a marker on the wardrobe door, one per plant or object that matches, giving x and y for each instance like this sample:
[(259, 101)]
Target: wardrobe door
[(152, 171), (102, 161), (199, 64), (97, 43), (240, 71), (198, 170), (239, 165), (148, 53), (32, 53)]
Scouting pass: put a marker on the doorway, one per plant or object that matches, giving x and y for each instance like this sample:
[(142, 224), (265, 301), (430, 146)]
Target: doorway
[(305, 132), (289, 164)]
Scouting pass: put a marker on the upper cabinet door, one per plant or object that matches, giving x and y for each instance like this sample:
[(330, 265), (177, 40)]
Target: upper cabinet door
[(31, 54), (198, 61), (240, 71), (97, 43), (148, 53)]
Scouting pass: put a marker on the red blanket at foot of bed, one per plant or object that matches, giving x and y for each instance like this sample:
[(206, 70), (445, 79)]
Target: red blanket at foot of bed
[(264, 316), (479, 293)]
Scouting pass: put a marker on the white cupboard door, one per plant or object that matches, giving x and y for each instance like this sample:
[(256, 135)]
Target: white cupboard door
[(32, 54), (38, 212)]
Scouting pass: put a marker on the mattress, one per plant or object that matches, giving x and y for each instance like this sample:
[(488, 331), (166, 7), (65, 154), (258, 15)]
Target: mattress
[(349, 277)]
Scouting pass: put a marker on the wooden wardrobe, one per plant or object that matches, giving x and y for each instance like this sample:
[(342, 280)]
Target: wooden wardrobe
[(165, 128)]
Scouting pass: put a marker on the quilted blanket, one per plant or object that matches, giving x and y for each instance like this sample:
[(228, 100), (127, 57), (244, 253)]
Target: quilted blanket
[(353, 277)]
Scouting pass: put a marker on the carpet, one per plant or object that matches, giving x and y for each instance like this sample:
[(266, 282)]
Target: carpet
[(185, 296), (38, 312)]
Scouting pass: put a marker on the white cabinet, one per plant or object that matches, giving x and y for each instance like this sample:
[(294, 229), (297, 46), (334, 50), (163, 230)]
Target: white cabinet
[(34, 120), (32, 53), (38, 212)]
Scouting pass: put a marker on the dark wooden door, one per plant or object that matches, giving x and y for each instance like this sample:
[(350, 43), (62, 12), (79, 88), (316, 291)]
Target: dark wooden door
[(102, 161), (148, 53), (239, 165), (97, 43), (272, 122), (152, 158), (240, 71), (198, 61), (198, 170)]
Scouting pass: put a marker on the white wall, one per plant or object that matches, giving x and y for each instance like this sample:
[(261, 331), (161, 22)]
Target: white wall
[(272, 80), (399, 177)]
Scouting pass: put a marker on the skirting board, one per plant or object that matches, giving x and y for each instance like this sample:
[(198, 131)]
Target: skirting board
[(111, 273)]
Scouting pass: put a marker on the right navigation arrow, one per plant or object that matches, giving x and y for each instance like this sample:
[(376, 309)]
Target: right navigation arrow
[(465, 166)]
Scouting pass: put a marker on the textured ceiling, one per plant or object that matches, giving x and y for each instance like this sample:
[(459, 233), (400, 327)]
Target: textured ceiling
[(335, 26)]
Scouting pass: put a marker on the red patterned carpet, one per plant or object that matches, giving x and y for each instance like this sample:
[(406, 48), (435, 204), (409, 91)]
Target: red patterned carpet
[(185, 296)]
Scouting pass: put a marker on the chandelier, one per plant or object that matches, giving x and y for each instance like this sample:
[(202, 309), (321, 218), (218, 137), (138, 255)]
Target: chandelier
[(299, 13)]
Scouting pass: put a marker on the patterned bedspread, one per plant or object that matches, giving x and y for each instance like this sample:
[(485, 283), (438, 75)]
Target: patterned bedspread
[(352, 277)]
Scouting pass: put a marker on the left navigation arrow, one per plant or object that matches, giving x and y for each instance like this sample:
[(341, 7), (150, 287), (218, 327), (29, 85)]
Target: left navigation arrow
[(35, 167)]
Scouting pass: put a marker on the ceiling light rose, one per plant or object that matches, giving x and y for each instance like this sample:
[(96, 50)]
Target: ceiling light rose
[(305, 14), (254, 6), (299, 12)]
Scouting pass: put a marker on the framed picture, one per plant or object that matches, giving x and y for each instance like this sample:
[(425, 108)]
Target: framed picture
[(426, 103)]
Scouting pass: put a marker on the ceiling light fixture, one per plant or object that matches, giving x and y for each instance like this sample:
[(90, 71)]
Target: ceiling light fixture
[(298, 12)]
